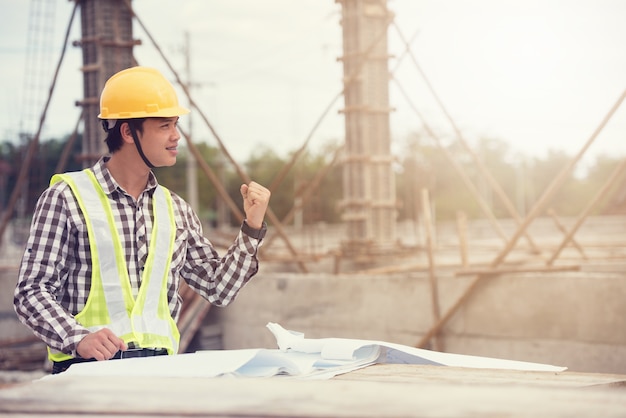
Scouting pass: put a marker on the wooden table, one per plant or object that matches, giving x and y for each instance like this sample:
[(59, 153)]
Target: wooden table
[(375, 391)]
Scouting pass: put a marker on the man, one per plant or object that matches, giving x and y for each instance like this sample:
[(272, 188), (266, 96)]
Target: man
[(100, 275)]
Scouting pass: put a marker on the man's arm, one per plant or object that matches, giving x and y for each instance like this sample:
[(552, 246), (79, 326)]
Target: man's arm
[(43, 272), (219, 279)]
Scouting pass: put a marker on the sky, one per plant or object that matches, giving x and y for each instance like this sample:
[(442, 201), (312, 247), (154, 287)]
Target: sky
[(538, 74)]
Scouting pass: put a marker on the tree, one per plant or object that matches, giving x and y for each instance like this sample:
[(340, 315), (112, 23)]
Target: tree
[(568, 200), (596, 178), (41, 170), (175, 178)]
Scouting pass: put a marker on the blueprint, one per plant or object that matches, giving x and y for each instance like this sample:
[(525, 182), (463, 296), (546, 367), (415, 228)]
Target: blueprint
[(296, 357)]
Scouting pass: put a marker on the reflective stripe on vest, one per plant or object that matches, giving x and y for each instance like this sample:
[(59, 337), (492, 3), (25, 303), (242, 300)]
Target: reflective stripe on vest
[(147, 320)]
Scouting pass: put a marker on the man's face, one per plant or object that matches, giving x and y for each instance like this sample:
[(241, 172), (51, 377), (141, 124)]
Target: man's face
[(159, 140)]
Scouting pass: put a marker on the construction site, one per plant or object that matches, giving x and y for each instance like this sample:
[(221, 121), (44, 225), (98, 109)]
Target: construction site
[(532, 287)]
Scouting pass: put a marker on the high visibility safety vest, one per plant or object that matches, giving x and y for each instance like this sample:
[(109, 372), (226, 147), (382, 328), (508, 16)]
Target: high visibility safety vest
[(146, 320)]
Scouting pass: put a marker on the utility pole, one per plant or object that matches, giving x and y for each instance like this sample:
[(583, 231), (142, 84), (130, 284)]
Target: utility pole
[(192, 176)]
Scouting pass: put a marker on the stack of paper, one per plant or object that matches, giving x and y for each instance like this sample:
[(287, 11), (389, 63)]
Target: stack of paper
[(296, 356)]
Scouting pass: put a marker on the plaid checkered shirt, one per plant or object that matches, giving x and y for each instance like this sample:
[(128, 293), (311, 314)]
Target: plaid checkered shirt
[(55, 273)]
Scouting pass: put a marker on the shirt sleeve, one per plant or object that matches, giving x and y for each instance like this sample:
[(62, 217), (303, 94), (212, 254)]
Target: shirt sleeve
[(43, 271), (219, 278)]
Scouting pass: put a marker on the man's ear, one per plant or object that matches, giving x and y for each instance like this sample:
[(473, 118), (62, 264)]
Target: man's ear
[(125, 133)]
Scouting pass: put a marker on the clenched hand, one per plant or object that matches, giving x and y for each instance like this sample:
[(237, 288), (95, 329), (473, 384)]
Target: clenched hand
[(255, 201)]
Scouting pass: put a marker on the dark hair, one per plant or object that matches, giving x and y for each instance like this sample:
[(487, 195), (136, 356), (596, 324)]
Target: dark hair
[(114, 137)]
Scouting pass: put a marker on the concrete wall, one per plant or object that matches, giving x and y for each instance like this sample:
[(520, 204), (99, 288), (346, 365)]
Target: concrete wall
[(573, 319)]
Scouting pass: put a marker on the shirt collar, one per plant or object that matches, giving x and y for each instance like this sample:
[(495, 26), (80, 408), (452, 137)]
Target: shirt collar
[(108, 183)]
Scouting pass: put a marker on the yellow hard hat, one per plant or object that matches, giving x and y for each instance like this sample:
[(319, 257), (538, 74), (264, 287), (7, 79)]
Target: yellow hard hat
[(139, 92)]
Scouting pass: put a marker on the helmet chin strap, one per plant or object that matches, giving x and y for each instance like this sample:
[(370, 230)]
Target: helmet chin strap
[(139, 149)]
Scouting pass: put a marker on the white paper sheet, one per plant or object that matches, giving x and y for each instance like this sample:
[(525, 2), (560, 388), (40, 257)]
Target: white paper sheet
[(296, 357)]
